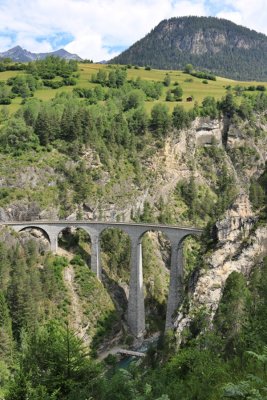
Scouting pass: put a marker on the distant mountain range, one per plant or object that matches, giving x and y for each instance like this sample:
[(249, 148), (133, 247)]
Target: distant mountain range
[(21, 55), (208, 43)]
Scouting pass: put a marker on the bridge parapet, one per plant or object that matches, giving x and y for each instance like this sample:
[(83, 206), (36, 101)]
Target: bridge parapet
[(133, 229)]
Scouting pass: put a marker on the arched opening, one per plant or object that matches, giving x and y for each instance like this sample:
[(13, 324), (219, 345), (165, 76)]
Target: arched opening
[(156, 258), (92, 313), (183, 266), (75, 242), (115, 257), (115, 253), (115, 260), (192, 256), (39, 236)]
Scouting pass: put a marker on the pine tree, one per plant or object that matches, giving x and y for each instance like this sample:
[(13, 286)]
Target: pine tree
[(43, 127), (160, 120)]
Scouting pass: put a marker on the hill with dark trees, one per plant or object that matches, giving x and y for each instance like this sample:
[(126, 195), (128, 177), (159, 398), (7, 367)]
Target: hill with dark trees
[(208, 43)]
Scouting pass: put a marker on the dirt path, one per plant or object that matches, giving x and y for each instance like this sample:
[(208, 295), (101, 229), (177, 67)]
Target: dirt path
[(64, 253)]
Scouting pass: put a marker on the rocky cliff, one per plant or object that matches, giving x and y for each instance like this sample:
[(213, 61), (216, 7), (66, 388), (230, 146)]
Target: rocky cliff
[(241, 244), (200, 152)]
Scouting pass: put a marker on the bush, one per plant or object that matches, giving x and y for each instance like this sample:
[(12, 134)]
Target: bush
[(53, 84), (5, 101), (69, 81), (77, 260), (203, 75), (111, 360), (261, 88)]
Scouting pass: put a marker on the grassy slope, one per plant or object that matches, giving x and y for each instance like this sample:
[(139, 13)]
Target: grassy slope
[(195, 88)]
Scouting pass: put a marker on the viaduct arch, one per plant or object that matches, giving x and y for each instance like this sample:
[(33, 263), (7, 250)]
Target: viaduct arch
[(136, 308)]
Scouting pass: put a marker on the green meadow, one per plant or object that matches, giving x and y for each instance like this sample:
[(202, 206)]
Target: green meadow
[(192, 86)]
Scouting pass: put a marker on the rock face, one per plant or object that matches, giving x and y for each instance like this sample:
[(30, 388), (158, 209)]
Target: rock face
[(239, 248), (11, 239), (241, 138), (208, 132), (181, 156), (238, 221), (26, 212), (20, 212)]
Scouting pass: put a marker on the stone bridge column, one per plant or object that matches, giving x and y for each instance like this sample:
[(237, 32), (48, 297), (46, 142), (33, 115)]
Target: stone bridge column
[(95, 255), (136, 305), (176, 281), (52, 233), (53, 243)]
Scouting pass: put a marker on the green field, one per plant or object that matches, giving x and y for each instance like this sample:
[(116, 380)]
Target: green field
[(196, 88), (191, 86)]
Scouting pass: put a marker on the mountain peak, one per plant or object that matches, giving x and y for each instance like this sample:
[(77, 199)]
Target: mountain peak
[(19, 54), (16, 48)]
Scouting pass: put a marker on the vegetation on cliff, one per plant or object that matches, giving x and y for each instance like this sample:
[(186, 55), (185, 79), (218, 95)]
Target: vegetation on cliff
[(110, 124)]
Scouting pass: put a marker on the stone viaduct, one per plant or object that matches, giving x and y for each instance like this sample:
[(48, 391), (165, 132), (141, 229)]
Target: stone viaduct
[(136, 308)]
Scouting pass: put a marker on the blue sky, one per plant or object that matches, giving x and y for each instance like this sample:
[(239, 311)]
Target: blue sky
[(100, 29)]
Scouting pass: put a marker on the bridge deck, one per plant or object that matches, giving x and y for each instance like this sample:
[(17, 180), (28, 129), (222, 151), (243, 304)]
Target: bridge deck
[(131, 353), (110, 223)]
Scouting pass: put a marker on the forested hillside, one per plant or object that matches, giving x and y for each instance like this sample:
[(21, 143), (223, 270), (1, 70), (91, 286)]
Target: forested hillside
[(217, 45), (123, 144)]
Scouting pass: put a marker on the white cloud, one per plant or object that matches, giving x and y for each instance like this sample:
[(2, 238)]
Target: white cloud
[(95, 26), (30, 43), (90, 45), (252, 14)]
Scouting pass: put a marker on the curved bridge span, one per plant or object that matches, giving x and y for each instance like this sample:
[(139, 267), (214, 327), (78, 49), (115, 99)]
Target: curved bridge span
[(136, 309)]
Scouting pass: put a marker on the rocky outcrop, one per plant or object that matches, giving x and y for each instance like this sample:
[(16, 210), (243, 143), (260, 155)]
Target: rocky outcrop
[(208, 132), (26, 212), (238, 221), (180, 157), (246, 146), (22, 212), (11, 239), (240, 246)]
